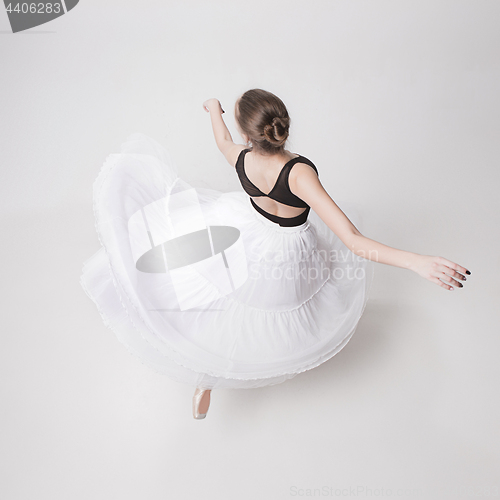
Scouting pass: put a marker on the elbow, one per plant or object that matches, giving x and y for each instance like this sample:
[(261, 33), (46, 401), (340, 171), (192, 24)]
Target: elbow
[(351, 241)]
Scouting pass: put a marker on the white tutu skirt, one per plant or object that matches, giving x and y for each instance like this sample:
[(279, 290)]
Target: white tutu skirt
[(204, 289)]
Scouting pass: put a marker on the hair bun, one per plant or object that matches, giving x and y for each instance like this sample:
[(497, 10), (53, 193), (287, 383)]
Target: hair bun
[(277, 131), (263, 118)]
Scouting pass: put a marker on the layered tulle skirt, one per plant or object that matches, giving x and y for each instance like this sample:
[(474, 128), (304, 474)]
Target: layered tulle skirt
[(204, 289)]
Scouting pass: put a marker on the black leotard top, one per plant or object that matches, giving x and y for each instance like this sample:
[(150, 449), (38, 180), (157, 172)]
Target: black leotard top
[(280, 192)]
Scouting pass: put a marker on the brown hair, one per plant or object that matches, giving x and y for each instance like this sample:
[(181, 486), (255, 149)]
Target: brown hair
[(263, 117)]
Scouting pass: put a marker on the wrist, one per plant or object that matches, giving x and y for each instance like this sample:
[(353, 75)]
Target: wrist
[(214, 105), (413, 260)]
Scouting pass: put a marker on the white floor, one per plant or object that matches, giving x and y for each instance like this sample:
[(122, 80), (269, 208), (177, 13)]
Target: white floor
[(411, 402), (409, 408)]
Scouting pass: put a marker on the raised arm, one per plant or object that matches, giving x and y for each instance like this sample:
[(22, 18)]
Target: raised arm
[(221, 133), (305, 184)]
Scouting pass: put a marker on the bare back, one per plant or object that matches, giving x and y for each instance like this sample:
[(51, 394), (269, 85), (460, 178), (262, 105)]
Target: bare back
[(264, 172)]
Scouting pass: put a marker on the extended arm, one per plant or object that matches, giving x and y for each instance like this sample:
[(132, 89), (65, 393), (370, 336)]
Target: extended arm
[(221, 133), (305, 183)]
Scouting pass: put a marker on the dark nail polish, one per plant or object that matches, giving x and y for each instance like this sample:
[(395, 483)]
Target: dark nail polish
[(467, 272)]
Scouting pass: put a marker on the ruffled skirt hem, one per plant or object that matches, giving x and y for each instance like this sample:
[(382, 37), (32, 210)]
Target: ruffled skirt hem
[(263, 305)]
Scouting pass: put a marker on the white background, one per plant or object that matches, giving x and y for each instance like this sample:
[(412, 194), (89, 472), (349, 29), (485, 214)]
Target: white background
[(396, 102)]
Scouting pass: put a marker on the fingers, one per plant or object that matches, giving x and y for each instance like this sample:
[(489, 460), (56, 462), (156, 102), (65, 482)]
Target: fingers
[(453, 265), (446, 274), (450, 280), (441, 284), (443, 276), (450, 272), (207, 109)]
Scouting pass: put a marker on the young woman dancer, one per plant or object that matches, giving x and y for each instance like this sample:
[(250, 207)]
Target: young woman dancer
[(241, 289)]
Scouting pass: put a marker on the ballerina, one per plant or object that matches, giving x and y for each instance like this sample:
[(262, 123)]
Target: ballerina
[(262, 121), (240, 289)]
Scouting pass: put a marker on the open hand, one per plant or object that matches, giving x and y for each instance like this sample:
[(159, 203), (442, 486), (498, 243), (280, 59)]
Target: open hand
[(440, 271), (213, 103)]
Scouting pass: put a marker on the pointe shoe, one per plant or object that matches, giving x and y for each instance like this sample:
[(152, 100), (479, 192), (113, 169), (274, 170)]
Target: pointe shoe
[(199, 395)]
